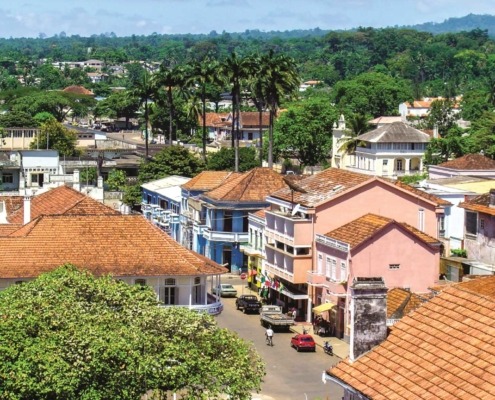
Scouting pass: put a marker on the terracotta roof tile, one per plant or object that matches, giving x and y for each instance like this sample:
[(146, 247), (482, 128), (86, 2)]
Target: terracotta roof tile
[(261, 213), (470, 162), (12, 203), (319, 188), (401, 302), (207, 180), (443, 350), (251, 186), (78, 90), (420, 193), (120, 245), (61, 200), (479, 203), (358, 231), (214, 119), (249, 118), (7, 229)]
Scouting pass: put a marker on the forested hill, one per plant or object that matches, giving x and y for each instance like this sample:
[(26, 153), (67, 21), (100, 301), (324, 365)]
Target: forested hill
[(453, 25)]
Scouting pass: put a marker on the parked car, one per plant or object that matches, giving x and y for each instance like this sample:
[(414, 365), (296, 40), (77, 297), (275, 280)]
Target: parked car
[(303, 342), (226, 290), (248, 303)]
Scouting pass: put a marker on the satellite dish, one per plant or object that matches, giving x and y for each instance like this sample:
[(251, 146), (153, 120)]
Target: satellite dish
[(296, 208)]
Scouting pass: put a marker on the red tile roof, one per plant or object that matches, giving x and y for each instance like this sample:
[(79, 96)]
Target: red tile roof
[(470, 162), (443, 350), (61, 200), (361, 229), (251, 118), (401, 302), (12, 203), (479, 203), (78, 90), (322, 187), (120, 245), (251, 186), (214, 119), (207, 180)]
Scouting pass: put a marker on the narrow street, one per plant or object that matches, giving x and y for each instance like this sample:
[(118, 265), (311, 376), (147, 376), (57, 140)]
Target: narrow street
[(290, 375)]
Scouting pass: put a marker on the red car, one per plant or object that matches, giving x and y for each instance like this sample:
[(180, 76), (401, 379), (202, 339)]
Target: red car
[(303, 342)]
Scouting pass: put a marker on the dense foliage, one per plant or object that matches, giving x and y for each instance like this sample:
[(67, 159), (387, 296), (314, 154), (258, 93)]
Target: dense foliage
[(68, 335)]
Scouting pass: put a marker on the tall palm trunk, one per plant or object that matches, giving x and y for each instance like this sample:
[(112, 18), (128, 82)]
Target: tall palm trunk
[(203, 100), (171, 115), (146, 128), (260, 121), (270, 139)]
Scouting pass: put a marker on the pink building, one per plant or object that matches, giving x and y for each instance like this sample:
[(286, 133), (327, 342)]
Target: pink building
[(369, 246), (324, 202)]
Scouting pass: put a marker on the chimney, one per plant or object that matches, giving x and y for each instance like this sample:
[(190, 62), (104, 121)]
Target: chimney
[(27, 209), (77, 181), (491, 203), (368, 315)]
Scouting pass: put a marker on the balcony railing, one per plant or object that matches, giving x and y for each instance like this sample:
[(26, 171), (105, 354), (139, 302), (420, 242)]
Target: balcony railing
[(214, 308), (315, 278), (220, 236), (389, 151), (281, 272), (279, 236)]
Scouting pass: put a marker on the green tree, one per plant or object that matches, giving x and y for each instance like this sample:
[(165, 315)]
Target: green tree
[(117, 180), (358, 124), (144, 90), (172, 160), (371, 93), (17, 119), (43, 117), (132, 195), (198, 78), (53, 135), (304, 132), (224, 159), (89, 175), (280, 80), (69, 335)]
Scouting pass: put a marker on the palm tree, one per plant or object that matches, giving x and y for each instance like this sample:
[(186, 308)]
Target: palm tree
[(199, 76), (280, 79), (236, 70), (256, 89), (144, 90), (170, 78), (358, 125)]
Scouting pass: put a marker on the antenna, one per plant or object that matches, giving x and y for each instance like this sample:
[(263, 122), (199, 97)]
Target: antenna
[(296, 208)]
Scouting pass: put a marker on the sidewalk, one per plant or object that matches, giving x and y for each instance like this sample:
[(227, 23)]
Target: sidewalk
[(340, 348)]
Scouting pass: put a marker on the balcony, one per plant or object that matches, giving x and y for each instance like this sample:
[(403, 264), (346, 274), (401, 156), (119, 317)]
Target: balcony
[(315, 278), (199, 229), (214, 308), (251, 251), (174, 218), (417, 152), (220, 236)]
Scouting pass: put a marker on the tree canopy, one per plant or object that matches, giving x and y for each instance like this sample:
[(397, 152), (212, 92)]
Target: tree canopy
[(53, 135), (172, 160), (304, 131), (224, 159), (68, 335)]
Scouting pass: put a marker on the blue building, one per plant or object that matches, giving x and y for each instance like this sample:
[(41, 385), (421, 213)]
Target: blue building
[(193, 211), (162, 203), (226, 214)]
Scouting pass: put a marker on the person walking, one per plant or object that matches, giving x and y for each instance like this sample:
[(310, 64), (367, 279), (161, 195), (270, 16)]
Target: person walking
[(269, 336)]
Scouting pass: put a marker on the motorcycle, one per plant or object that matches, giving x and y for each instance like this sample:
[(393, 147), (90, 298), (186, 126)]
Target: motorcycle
[(328, 349)]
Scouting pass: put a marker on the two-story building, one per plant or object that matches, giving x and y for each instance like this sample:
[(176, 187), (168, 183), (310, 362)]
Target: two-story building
[(479, 233), (162, 201), (371, 245), (324, 202), (227, 209), (392, 150), (193, 211)]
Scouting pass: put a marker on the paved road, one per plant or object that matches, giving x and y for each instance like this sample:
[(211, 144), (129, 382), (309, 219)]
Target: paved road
[(290, 375)]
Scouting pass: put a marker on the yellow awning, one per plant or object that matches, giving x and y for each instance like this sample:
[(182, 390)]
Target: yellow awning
[(323, 307)]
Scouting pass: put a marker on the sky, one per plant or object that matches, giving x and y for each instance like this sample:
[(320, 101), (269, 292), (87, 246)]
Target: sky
[(29, 18)]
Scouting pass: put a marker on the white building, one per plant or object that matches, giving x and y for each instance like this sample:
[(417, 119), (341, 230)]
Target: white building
[(392, 150)]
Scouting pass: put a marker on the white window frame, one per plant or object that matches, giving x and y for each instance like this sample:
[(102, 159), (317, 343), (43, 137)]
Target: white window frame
[(334, 270), (343, 271)]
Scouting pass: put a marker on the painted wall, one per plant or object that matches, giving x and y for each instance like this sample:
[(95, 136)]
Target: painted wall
[(482, 246), (377, 198)]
